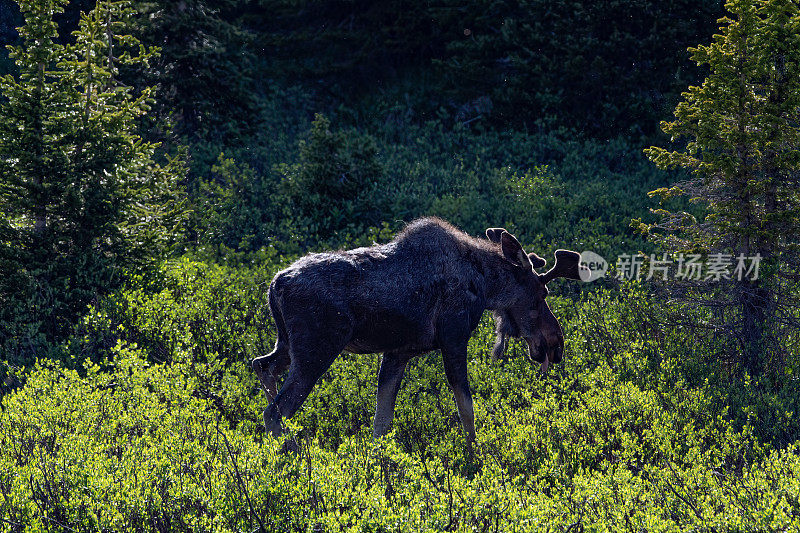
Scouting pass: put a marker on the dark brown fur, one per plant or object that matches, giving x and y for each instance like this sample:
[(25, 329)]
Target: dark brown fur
[(425, 290)]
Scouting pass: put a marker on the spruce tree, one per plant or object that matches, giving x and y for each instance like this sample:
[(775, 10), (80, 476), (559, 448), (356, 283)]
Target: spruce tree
[(83, 201), (210, 87), (742, 134), (334, 186)]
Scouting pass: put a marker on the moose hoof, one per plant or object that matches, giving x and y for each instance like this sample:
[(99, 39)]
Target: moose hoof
[(545, 366)]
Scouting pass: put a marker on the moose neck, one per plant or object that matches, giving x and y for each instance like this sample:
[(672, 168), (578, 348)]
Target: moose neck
[(499, 277)]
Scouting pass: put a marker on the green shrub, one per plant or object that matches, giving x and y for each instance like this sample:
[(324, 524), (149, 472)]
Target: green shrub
[(139, 446), (552, 189), (638, 426), (239, 209), (335, 185), (212, 318)]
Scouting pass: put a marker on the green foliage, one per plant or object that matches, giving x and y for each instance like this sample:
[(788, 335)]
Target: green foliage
[(551, 190), (237, 207), (159, 458), (83, 199), (345, 46), (741, 133), (215, 92), (603, 68), (631, 429), (335, 185), (242, 80), (152, 419), (213, 318), (584, 197), (210, 95)]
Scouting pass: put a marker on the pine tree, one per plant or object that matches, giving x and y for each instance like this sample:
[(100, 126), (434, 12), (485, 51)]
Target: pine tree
[(210, 88), (83, 201), (742, 132), (334, 185)]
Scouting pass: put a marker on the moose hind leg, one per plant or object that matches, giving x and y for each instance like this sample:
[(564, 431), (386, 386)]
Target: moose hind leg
[(270, 367), (315, 337), (311, 355), (293, 393), (390, 376)]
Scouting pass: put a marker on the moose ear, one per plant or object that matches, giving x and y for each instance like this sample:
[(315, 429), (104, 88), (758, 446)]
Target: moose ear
[(536, 261), (512, 250), (493, 234)]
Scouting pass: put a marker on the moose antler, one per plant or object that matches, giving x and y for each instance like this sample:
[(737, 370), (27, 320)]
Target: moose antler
[(568, 265)]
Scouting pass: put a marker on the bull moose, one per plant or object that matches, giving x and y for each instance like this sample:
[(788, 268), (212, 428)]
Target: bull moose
[(425, 290)]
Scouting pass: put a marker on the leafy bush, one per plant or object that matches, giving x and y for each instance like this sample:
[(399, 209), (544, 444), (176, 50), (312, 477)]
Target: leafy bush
[(618, 434), (551, 190), (335, 184), (214, 319), (238, 208)]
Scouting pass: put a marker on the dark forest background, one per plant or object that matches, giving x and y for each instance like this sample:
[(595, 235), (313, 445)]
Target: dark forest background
[(434, 101), (161, 160)]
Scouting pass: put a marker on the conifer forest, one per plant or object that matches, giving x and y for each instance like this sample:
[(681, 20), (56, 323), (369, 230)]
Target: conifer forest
[(280, 265)]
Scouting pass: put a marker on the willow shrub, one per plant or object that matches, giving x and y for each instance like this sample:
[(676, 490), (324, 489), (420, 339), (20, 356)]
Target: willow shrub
[(140, 447), (164, 431), (635, 429)]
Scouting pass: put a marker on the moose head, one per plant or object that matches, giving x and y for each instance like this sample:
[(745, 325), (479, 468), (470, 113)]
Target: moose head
[(525, 312)]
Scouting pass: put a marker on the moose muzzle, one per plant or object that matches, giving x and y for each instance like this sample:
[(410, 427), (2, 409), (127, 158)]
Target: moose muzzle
[(544, 351)]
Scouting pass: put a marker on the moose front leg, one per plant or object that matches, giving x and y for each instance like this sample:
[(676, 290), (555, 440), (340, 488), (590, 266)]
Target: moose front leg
[(393, 366), (455, 368)]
